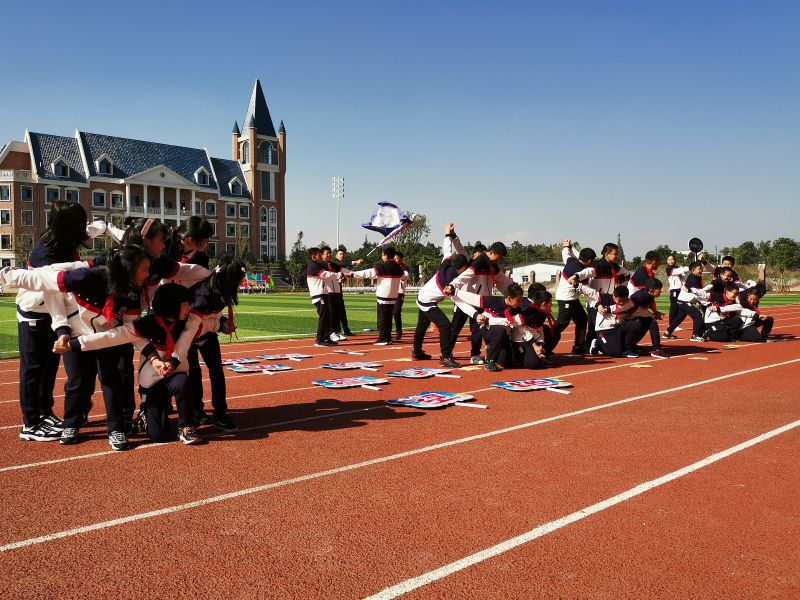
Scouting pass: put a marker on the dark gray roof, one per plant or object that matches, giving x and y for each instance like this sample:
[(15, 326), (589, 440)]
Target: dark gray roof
[(282, 129), (134, 156), (49, 148), (236, 128), (227, 170), (259, 113)]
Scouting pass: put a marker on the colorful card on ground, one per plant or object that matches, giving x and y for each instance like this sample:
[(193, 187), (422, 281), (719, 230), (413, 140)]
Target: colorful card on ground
[(296, 356), (527, 385), (431, 400), (350, 352), (351, 365), (259, 368), (349, 382), (420, 373), (239, 361)]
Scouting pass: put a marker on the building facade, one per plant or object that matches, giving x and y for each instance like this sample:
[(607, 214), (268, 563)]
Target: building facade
[(243, 197)]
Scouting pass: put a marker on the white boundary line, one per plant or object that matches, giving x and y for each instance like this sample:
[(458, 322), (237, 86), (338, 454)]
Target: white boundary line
[(431, 576), (367, 463)]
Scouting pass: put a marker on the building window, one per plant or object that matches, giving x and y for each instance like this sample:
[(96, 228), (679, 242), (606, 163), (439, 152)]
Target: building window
[(27, 193), (273, 252), (273, 234), (213, 227), (6, 262), (230, 210), (5, 217), (263, 231), (244, 211), (104, 167), (5, 192), (262, 214), (5, 242), (26, 243), (246, 152), (27, 218), (116, 200), (264, 252), (273, 216), (211, 250), (244, 230), (211, 209), (202, 177), (72, 195), (230, 229), (198, 207), (99, 199), (52, 194), (265, 153), (61, 169), (266, 187), (230, 249), (236, 188)]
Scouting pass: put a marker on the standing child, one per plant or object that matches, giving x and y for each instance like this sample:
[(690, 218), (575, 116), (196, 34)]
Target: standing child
[(577, 268), (638, 281), (608, 274), (333, 291), (316, 276), (397, 312), (647, 315), (676, 275), (691, 292), (751, 316)]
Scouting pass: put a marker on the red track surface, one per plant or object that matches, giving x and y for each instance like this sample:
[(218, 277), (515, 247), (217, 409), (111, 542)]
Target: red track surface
[(331, 493)]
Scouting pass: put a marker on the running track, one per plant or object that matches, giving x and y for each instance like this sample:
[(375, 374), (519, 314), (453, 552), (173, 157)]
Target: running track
[(677, 480)]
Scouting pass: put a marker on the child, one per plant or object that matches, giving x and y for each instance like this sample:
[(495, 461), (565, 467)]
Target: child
[(316, 276), (676, 275), (106, 297), (638, 281), (647, 315), (616, 334), (397, 312), (729, 262), (691, 292), (751, 316), (608, 275), (577, 268), (338, 299), (193, 237), (333, 291), (497, 317), (162, 337), (209, 299), (390, 276), (428, 299), (722, 316), (532, 338)]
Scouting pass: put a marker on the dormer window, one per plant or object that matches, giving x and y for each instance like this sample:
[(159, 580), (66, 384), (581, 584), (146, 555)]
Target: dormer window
[(104, 166), (236, 187), (60, 168), (201, 176)]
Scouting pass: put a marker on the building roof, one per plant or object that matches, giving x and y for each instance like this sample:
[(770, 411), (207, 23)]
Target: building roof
[(225, 171), (49, 148), (258, 113)]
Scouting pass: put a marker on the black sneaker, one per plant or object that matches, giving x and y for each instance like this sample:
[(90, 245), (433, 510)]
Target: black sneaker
[(53, 422), (383, 343), (447, 362), (69, 436), (85, 417), (188, 436), (139, 423), (669, 336), (118, 440), (398, 336), (491, 366), (421, 356), (202, 419), (39, 433), (324, 344), (226, 424), (349, 333), (659, 354)]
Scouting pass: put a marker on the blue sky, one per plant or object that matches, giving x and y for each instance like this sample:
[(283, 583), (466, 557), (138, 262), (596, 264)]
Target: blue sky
[(530, 121)]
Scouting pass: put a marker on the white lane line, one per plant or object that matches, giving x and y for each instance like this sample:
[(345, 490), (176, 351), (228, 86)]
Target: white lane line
[(431, 576), (360, 465)]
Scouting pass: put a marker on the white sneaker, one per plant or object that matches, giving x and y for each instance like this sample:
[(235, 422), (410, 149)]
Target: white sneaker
[(335, 337), (476, 360)]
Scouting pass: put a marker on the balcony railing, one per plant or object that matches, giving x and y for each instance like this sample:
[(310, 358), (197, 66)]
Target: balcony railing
[(15, 174), (170, 211), (137, 209)]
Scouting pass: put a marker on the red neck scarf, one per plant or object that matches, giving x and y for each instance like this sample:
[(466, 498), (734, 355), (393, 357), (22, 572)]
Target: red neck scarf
[(108, 310), (170, 341)]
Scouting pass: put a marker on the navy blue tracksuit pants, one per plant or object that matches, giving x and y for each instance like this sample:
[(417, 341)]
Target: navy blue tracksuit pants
[(38, 366)]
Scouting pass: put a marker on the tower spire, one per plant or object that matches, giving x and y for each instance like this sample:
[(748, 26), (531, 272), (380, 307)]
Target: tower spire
[(258, 113)]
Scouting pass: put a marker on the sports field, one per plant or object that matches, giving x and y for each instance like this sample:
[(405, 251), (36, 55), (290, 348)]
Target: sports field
[(276, 316)]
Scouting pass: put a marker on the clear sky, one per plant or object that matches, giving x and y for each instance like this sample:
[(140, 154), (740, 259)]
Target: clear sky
[(517, 120)]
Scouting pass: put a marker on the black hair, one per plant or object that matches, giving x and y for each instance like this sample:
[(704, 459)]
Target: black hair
[(67, 228), (313, 251), (535, 287), (539, 297), (479, 247), (122, 265), (389, 252), (398, 253), (499, 248), (197, 228), (459, 261), (514, 291), (586, 254), (725, 270), (651, 256), (168, 299), (324, 248), (608, 248), (731, 288), (621, 291), (342, 248), (730, 259), (223, 285), (653, 284), (759, 289), (694, 264), (151, 228)]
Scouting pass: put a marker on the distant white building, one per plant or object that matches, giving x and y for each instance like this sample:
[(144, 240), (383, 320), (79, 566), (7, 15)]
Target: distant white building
[(545, 272)]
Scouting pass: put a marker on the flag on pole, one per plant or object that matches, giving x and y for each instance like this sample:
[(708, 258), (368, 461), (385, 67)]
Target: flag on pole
[(389, 220)]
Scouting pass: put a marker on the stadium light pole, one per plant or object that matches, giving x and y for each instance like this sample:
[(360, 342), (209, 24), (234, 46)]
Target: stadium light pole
[(337, 193)]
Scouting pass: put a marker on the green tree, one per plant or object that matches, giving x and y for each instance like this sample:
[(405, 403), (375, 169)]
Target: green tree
[(296, 265)]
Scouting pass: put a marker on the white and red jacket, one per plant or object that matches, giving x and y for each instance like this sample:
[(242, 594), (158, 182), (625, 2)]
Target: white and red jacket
[(606, 276), (390, 276), (316, 276), (615, 313), (676, 276), (572, 266), (482, 276)]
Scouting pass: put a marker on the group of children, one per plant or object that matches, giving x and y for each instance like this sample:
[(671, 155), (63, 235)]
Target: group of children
[(152, 293)]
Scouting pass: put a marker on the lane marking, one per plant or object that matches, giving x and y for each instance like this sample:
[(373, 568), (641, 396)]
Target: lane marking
[(363, 464), (478, 557)]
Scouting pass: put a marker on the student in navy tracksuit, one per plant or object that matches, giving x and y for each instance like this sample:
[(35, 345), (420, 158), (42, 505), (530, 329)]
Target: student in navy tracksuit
[(496, 316), (691, 292), (638, 281), (332, 294), (191, 241), (608, 274), (104, 297), (578, 268), (210, 299), (751, 316), (397, 311), (722, 316), (532, 338), (338, 299), (390, 276), (647, 315), (729, 262), (676, 275), (38, 364), (428, 299), (317, 274), (616, 334)]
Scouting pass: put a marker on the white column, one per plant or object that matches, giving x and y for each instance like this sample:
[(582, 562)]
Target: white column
[(161, 199), (178, 205), (127, 199), (144, 197)]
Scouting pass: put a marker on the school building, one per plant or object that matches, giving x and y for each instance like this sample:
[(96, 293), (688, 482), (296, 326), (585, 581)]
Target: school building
[(242, 197)]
